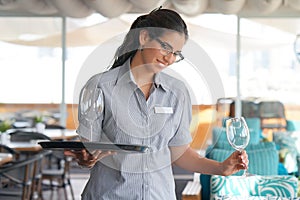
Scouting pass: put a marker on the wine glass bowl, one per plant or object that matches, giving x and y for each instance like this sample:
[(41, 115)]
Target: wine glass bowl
[(91, 106), (99, 103), (237, 133)]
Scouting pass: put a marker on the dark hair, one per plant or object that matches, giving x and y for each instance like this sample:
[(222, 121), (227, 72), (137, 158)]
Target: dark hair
[(156, 22)]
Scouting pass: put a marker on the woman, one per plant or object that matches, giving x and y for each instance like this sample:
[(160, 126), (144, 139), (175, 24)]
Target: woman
[(145, 106)]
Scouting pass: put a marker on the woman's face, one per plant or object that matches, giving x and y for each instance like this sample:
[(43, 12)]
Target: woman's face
[(160, 52)]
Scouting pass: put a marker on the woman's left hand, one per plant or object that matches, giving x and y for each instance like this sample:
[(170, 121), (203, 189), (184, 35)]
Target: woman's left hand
[(87, 159), (235, 162)]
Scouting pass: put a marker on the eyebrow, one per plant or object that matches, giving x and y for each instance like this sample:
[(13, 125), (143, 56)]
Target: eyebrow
[(169, 45), (166, 43)]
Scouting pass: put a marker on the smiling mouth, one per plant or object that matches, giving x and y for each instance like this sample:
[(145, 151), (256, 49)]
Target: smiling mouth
[(161, 65)]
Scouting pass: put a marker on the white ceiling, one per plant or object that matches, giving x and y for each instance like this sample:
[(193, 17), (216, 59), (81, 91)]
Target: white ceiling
[(286, 12), (114, 8)]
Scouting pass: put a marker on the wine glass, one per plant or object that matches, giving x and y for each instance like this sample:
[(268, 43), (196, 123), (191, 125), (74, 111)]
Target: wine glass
[(238, 134), (91, 106)]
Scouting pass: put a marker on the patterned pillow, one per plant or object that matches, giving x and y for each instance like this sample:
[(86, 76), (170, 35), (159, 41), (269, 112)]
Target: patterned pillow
[(279, 186)]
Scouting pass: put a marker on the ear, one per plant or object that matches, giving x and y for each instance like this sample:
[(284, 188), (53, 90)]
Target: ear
[(144, 37)]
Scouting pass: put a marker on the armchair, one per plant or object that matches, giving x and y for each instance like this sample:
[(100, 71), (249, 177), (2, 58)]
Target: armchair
[(263, 156)]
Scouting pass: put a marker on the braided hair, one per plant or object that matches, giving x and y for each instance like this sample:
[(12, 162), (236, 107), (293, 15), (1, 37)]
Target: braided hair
[(155, 23)]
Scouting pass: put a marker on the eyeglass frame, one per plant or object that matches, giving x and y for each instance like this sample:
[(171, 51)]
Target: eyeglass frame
[(165, 52)]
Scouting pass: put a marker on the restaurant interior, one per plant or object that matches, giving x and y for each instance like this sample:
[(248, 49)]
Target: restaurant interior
[(242, 59)]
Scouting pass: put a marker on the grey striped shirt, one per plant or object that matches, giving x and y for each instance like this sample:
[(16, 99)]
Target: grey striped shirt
[(159, 122)]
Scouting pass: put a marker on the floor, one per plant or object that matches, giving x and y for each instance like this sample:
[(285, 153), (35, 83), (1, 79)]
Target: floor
[(78, 182)]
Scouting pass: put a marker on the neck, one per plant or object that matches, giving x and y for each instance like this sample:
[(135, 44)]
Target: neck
[(141, 73)]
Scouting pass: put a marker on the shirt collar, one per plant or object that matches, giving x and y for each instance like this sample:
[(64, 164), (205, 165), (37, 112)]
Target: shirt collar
[(159, 81), (125, 76)]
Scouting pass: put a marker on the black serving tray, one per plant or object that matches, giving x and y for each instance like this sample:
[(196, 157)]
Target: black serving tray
[(77, 145)]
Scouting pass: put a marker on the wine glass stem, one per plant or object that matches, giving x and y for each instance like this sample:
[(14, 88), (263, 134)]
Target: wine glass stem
[(245, 173), (91, 131)]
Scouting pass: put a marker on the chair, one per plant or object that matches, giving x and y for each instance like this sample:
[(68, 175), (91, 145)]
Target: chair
[(7, 149), (61, 174), (272, 114), (54, 126), (27, 136), (250, 109), (56, 168), (22, 177), (14, 153)]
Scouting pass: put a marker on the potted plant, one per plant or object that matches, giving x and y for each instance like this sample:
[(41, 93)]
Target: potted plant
[(39, 124), (4, 126)]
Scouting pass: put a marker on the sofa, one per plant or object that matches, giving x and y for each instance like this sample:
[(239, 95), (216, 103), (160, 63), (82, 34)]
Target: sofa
[(254, 187), (263, 156), (263, 160)]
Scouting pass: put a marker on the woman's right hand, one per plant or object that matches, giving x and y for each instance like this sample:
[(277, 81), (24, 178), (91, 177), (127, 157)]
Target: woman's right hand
[(87, 159)]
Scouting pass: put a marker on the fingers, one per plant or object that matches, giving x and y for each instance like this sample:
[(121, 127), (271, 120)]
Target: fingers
[(237, 161), (69, 153), (86, 158), (101, 155), (242, 159)]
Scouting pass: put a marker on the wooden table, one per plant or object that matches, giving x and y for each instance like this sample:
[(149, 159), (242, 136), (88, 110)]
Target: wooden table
[(25, 146), (5, 158)]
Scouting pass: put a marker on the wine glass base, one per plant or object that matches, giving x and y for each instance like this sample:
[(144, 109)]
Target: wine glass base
[(247, 174)]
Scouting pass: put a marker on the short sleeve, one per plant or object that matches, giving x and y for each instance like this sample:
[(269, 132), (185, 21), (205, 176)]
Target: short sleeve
[(90, 122)]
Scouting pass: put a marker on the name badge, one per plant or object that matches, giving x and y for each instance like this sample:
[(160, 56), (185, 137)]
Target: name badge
[(163, 110)]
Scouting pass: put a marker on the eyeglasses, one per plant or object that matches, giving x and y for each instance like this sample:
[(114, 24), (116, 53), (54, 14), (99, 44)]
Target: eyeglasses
[(167, 49)]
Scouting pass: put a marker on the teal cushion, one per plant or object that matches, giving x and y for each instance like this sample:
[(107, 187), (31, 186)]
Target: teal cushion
[(279, 186), (289, 145), (254, 125), (292, 125), (263, 157), (224, 121)]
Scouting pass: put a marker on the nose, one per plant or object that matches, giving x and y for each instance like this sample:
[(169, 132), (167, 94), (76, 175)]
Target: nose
[(170, 58)]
